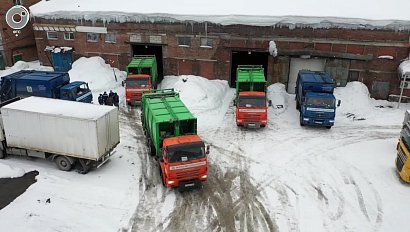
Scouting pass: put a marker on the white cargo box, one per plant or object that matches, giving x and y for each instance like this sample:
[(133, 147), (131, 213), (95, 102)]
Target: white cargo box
[(62, 127)]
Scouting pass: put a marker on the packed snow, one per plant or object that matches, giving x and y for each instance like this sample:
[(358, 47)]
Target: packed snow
[(281, 178), (9, 171), (22, 65), (346, 14), (273, 50)]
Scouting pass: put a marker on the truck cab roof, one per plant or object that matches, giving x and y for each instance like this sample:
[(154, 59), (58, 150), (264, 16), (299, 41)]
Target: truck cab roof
[(37, 75), (315, 77)]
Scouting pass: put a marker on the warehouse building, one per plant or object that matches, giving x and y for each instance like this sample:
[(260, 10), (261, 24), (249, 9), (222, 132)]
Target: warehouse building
[(350, 49)]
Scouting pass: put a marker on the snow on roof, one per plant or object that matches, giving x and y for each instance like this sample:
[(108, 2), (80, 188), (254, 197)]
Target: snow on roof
[(62, 108), (317, 13), (404, 67)]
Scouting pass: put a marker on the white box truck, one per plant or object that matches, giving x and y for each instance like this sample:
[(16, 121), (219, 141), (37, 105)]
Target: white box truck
[(69, 133)]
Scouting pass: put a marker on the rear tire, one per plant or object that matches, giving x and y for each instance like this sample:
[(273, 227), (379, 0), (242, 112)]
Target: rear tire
[(63, 163), (151, 148), (161, 176)]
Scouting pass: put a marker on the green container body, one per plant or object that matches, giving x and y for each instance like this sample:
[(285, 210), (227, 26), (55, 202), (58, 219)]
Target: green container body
[(164, 115), (144, 64), (250, 78)]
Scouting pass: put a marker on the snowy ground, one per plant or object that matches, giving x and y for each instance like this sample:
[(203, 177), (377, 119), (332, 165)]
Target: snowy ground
[(281, 178)]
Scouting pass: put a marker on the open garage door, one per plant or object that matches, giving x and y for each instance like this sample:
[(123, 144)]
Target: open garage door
[(297, 64), (247, 58), (149, 49)]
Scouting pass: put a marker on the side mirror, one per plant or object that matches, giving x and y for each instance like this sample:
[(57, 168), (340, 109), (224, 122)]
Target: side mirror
[(270, 103), (338, 103), (207, 149)]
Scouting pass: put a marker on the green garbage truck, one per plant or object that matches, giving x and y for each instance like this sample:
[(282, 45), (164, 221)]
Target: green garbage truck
[(171, 136)]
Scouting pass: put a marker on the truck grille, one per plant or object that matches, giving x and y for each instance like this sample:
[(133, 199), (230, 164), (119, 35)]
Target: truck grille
[(401, 159), (187, 174)]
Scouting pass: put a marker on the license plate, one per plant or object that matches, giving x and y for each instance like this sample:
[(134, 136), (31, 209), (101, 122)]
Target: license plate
[(251, 124), (189, 185)]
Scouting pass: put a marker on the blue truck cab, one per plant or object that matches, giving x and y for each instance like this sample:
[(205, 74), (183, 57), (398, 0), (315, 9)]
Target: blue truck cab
[(48, 84), (314, 98)]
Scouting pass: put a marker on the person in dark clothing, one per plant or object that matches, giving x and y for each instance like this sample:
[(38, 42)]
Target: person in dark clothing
[(109, 101), (116, 100), (105, 97), (111, 94), (100, 99)]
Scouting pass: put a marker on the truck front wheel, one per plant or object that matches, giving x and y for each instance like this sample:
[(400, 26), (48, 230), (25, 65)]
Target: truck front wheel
[(301, 120), (162, 176), (63, 163)]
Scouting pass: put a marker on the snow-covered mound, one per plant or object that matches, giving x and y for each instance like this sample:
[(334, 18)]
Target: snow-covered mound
[(207, 99), (21, 65), (355, 98), (278, 95), (6, 171), (99, 75), (198, 94)]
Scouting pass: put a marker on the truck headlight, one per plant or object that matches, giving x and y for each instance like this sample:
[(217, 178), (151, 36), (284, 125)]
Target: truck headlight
[(305, 119), (171, 182), (239, 120), (331, 121), (204, 176)]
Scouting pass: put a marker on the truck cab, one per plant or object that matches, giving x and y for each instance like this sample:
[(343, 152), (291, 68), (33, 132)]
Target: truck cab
[(142, 76), (251, 107), (135, 86), (315, 99), (184, 162), (76, 91), (403, 150)]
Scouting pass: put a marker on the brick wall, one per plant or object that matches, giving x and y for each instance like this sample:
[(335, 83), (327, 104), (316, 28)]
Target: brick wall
[(362, 47), (24, 43)]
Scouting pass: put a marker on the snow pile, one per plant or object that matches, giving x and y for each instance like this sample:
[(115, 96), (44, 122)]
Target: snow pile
[(355, 98), (340, 14), (57, 49), (206, 99), (99, 76), (21, 65), (278, 95), (404, 67), (7, 171), (273, 50)]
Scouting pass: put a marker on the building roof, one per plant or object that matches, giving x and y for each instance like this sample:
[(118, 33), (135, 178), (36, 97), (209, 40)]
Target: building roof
[(292, 13)]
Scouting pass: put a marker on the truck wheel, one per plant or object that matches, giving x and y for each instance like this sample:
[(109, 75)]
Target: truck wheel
[(161, 176), (301, 120), (63, 163), (2, 154), (328, 127), (297, 105), (151, 148)]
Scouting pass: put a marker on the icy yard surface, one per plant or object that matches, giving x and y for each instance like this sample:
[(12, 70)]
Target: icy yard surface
[(280, 178)]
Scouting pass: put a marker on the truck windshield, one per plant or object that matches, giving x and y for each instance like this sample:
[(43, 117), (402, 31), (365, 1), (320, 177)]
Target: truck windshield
[(318, 101), (186, 152), (251, 101), (137, 82)]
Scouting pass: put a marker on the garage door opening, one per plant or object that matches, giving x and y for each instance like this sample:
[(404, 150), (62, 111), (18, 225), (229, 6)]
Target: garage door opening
[(151, 50), (297, 64), (247, 58)]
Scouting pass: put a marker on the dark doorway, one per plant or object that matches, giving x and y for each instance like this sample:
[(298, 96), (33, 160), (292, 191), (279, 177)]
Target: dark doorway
[(149, 49), (247, 58)]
